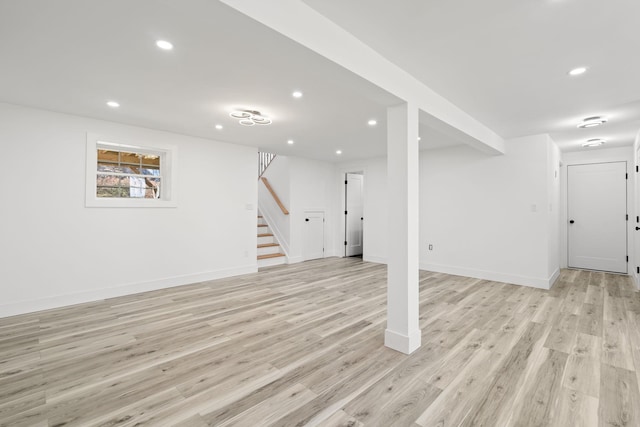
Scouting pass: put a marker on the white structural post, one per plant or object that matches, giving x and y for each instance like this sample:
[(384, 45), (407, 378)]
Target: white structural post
[(403, 330)]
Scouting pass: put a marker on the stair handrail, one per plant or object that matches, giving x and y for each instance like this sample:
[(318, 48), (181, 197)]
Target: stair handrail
[(274, 195)]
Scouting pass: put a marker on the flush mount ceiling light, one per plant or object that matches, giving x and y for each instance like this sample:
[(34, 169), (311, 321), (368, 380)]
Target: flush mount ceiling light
[(297, 94), (113, 104), (164, 45), (290, 142), (219, 127), (590, 122), (577, 71), (338, 152), (372, 122), (594, 142), (250, 117)]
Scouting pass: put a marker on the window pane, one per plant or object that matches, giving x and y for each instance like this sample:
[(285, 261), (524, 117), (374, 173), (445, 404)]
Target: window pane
[(107, 155), (153, 188), (151, 160), (111, 167), (150, 170)]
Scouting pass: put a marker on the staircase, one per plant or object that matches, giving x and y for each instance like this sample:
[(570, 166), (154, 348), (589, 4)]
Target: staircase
[(269, 251)]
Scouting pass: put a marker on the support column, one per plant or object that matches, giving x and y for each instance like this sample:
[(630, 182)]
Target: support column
[(403, 331)]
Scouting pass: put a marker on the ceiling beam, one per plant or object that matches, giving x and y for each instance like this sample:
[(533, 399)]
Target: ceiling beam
[(304, 25)]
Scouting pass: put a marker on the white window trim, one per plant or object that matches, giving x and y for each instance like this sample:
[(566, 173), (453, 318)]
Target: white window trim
[(169, 182)]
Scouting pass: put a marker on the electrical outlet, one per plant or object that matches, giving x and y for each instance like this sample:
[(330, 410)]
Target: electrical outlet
[(430, 247)]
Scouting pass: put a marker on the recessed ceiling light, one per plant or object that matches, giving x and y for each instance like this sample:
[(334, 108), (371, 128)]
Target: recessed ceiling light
[(372, 122), (113, 104), (594, 142), (577, 71), (164, 45), (338, 151), (419, 138), (297, 94), (590, 122), (218, 127), (290, 142)]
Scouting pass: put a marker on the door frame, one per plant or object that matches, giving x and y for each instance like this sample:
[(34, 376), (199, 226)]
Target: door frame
[(346, 209), (339, 232), (608, 155)]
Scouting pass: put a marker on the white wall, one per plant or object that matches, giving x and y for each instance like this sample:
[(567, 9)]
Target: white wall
[(553, 190), (477, 211), (311, 190), (622, 154), (302, 185), (488, 217), (54, 251)]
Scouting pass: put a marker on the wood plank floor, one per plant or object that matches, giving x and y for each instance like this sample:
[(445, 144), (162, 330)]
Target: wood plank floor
[(303, 345)]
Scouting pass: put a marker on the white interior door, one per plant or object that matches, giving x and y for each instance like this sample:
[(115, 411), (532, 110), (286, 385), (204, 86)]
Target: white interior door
[(637, 220), (313, 235), (596, 210), (353, 218)]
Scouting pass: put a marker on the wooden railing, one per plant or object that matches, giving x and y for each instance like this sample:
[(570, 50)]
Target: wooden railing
[(264, 159), (274, 195)]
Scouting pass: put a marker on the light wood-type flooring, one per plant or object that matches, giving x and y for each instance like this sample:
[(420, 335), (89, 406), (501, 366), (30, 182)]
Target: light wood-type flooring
[(303, 345)]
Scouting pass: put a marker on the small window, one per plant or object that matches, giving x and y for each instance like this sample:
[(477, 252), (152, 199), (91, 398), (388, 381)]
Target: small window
[(123, 175), (126, 174)]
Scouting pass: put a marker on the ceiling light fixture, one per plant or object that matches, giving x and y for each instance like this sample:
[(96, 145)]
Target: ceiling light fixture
[(372, 122), (419, 138), (297, 94), (590, 122), (164, 45), (219, 127), (577, 71), (290, 142), (250, 117), (338, 152), (594, 142), (113, 104)]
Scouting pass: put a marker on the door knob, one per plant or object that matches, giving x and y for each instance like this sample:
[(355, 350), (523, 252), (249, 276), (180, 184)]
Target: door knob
[(306, 219), (637, 228), (571, 221)]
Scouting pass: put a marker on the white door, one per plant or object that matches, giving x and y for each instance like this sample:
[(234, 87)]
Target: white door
[(353, 218), (637, 219), (596, 212), (313, 235)]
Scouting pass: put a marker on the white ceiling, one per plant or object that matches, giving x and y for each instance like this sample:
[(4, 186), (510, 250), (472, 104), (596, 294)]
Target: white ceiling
[(504, 62)]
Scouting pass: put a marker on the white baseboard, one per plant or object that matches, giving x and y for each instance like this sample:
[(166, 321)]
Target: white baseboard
[(294, 259), (533, 282), (402, 343), (376, 259), (58, 301)]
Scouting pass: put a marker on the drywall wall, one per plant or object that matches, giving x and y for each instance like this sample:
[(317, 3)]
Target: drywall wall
[(621, 154), (489, 217), (553, 190), (56, 252), (303, 185), (311, 190)]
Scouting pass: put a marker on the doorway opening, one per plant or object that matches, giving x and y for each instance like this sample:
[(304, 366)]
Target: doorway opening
[(353, 214)]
